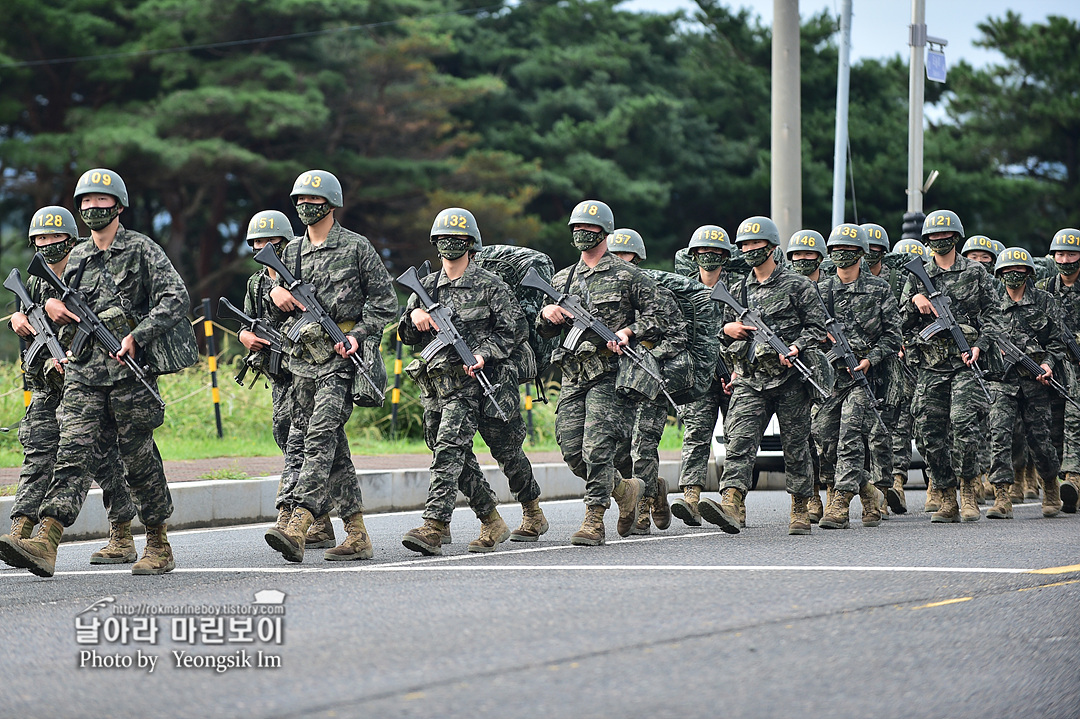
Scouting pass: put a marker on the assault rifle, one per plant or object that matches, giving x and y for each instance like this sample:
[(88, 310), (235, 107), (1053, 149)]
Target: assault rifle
[(584, 320), (44, 337), (1015, 356), (448, 335), (945, 320), (1070, 342), (841, 348), (304, 293), (763, 334), (89, 325), (262, 329)]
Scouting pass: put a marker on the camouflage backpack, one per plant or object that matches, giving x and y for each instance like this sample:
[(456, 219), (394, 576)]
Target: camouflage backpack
[(685, 265), (690, 374), (511, 262)]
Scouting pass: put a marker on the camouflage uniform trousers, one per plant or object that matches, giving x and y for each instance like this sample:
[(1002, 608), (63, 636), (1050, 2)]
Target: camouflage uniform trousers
[(747, 418), (327, 478), (949, 409), (95, 422), (843, 429), (881, 448), (281, 425), (39, 433), (1066, 422), (590, 419), (638, 452), (449, 432), (1021, 412), (699, 420)]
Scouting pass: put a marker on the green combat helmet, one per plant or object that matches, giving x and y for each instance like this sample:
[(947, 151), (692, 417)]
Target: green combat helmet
[(876, 236), (318, 183), (982, 243), (593, 212), (758, 227), (806, 241), (849, 234), (268, 225), (1014, 257), (711, 236), (447, 229), (54, 220), (627, 240), (1065, 240), (101, 181), (942, 221), (910, 247)]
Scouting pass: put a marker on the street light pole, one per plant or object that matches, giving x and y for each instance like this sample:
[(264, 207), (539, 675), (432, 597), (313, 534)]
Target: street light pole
[(786, 141), (843, 83), (916, 79)]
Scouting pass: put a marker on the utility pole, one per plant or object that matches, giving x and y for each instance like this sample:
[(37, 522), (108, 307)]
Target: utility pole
[(843, 83), (916, 82), (786, 144)]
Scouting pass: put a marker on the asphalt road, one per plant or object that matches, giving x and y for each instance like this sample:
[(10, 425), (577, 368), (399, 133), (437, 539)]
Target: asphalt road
[(907, 619)]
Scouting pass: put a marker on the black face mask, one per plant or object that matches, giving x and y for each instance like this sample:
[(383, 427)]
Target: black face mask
[(98, 218), (310, 212)]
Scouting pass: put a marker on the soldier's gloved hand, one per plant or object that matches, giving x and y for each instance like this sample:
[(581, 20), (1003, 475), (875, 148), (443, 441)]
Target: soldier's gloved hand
[(353, 346), (59, 313), (555, 315), (480, 362), (21, 324), (284, 300), (785, 360), (252, 341), (422, 320), (127, 348), (972, 357), (624, 336), (923, 305), (1047, 374), (738, 331)]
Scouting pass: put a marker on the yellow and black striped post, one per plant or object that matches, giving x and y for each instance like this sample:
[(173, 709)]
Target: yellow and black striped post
[(211, 358), (26, 393), (395, 393), (528, 412)]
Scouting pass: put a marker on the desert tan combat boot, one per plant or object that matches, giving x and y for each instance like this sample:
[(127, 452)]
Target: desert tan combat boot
[(643, 525), (321, 533), (283, 514), (157, 557), (627, 493), (950, 509), (987, 488), (1016, 489), (1069, 490), (533, 523), (1002, 508), (1031, 482), (290, 542), (355, 546), (427, 538), (493, 531), (1051, 503), (869, 497), (661, 510), (22, 527), (38, 554), (120, 549), (830, 490), (814, 507), (933, 499), (837, 511), (800, 517), (686, 508), (969, 506), (729, 514), (591, 533)]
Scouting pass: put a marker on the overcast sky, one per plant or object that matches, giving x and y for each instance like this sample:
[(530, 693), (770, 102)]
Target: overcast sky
[(880, 27)]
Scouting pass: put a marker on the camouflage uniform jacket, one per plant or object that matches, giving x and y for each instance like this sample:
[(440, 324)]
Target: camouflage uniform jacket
[(37, 379), (869, 314), (352, 285), (974, 296), (790, 307), (133, 275), (1068, 300), (671, 319), (618, 294), (1034, 325), (488, 318), (256, 304)]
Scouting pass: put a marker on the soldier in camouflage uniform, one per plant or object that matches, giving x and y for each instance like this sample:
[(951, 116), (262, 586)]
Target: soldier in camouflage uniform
[(354, 288), (1065, 248), (491, 322), (768, 383), (591, 416), (949, 405), (135, 290), (710, 248), (1031, 319), (864, 305), (639, 452), (53, 234)]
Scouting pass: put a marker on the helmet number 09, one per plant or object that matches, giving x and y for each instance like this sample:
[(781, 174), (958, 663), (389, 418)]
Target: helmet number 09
[(100, 178)]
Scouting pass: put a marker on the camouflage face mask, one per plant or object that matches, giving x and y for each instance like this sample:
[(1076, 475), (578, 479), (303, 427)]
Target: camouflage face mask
[(874, 255), (585, 240), (942, 246), (1067, 268), (1013, 280), (58, 250), (845, 258), (805, 267), (452, 248), (710, 261), (310, 212), (98, 218), (757, 257)]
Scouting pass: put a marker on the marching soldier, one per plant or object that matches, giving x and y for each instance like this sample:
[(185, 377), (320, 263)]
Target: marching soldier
[(864, 305), (981, 249), (354, 288), (135, 290), (768, 384), (491, 322), (710, 248), (53, 233), (591, 416), (949, 404)]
